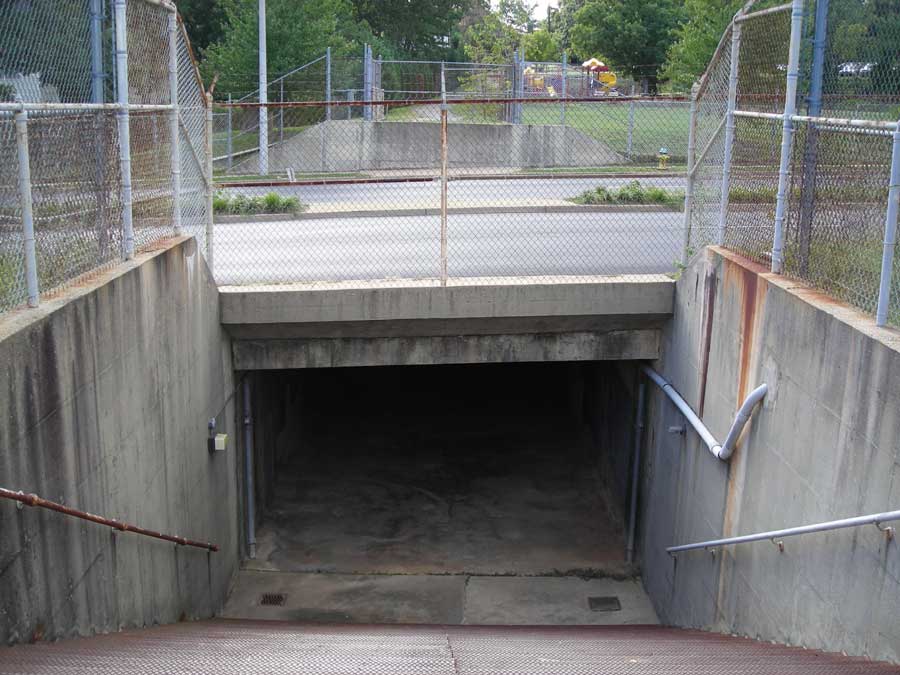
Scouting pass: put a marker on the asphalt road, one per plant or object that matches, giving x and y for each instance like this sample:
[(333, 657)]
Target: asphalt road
[(461, 193), (478, 245)]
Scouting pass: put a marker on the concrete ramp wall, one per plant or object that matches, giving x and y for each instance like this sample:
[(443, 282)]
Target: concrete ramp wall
[(105, 400), (825, 445), (355, 145)]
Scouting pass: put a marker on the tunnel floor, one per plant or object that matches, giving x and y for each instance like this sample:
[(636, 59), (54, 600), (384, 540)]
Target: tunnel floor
[(437, 478), (473, 484)]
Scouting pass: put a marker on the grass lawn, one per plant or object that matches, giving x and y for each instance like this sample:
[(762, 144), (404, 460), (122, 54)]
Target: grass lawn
[(656, 125)]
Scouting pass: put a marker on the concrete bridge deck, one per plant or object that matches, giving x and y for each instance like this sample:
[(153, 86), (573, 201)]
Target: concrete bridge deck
[(480, 320), (247, 647)]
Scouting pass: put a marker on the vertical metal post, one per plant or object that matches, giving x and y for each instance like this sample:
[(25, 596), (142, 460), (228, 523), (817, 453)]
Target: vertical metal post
[(351, 97), (691, 174), (629, 148), (635, 470), (890, 236), (249, 477), (124, 127), (328, 82), (31, 278), (97, 76), (444, 176), (729, 126), (229, 141), (367, 84), (263, 94), (811, 154), (210, 185), (562, 95), (175, 139), (787, 135), (281, 112)]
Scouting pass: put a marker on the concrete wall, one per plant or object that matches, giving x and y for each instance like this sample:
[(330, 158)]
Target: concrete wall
[(825, 445), (105, 400), (355, 145)]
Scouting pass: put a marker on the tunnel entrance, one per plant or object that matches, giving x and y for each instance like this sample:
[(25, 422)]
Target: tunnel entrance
[(487, 470)]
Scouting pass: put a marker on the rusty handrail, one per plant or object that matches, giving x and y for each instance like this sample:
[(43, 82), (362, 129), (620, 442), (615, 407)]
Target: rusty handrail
[(34, 500)]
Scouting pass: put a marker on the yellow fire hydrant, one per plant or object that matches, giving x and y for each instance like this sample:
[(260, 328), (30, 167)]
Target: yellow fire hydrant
[(663, 157)]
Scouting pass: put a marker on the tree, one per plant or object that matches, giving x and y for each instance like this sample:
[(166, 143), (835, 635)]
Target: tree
[(697, 38), (517, 14), (298, 31), (564, 21), (491, 40), (541, 45), (629, 34), (416, 27), (204, 21)]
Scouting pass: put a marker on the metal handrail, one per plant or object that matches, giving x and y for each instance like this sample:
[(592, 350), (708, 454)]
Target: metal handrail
[(776, 535), (34, 500)]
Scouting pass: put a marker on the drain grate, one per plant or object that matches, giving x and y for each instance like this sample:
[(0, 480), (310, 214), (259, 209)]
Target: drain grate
[(605, 603), (272, 599)]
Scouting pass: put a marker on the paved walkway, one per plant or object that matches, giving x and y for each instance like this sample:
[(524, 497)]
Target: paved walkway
[(251, 647)]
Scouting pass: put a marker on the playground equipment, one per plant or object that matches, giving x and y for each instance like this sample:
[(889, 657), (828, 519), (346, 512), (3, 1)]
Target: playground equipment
[(601, 80)]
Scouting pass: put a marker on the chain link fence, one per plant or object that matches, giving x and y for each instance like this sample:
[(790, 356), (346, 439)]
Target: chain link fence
[(88, 174), (802, 184)]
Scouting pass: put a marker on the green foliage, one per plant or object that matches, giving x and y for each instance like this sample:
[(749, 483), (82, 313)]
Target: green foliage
[(414, 27), (204, 21), (491, 40), (542, 45), (632, 193), (297, 32), (697, 38), (563, 22), (241, 205), (627, 33)]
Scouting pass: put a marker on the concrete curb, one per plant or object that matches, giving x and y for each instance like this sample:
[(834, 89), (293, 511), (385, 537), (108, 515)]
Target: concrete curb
[(463, 210)]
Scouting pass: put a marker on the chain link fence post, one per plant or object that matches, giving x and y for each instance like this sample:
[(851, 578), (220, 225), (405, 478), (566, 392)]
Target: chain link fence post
[(444, 175), (210, 185), (263, 94), (562, 97), (629, 145), (730, 126), (811, 154), (31, 278), (124, 126), (328, 83), (97, 75), (174, 122), (787, 135), (691, 173), (229, 137), (890, 236)]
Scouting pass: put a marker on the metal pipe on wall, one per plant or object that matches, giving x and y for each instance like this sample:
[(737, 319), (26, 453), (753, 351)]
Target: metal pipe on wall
[(724, 450), (787, 134), (635, 470), (248, 470)]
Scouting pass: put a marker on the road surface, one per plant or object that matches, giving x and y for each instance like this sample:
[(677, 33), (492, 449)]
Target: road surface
[(407, 247)]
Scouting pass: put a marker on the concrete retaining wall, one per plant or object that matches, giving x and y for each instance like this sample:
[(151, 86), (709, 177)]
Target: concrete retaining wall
[(106, 395), (355, 145), (825, 445)]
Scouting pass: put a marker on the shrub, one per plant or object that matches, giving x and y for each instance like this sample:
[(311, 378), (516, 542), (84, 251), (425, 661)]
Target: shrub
[(243, 205), (632, 193)]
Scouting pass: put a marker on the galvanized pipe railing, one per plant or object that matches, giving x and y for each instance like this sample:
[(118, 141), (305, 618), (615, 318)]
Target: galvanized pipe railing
[(34, 500), (777, 535)]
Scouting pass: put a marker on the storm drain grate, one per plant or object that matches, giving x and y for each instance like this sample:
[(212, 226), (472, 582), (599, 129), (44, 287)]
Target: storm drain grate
[(604, 603), (272, 599)]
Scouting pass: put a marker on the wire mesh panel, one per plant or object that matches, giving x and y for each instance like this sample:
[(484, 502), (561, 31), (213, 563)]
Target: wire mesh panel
[(75, 181), (148, 52), (47, 49), (151, 176), (12, 269), (763, 62), (835, 232)]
